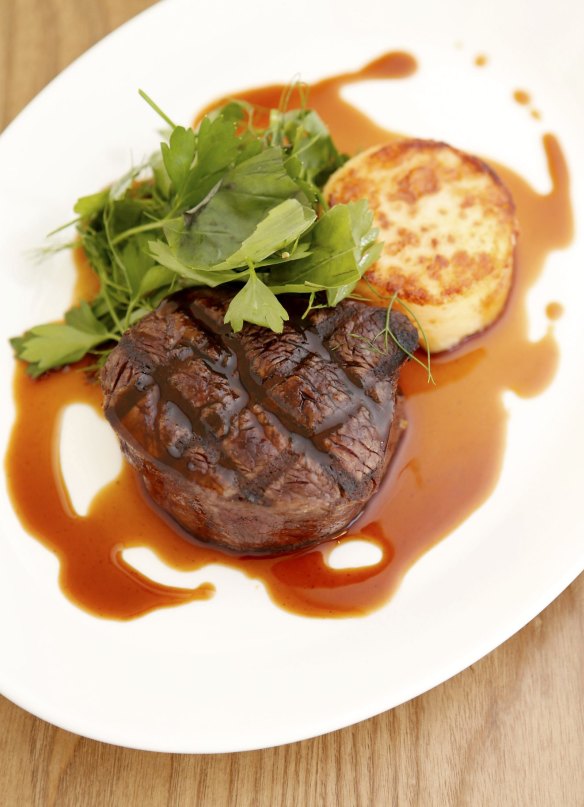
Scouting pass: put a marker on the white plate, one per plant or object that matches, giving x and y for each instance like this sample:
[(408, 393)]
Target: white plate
[(236, 672)]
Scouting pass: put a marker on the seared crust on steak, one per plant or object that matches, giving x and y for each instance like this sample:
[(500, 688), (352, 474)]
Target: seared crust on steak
[(256, 441)]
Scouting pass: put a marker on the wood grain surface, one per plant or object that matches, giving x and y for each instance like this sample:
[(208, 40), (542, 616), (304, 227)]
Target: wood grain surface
[(507, 731)]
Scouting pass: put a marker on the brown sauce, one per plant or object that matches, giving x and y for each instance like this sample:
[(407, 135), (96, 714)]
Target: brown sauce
[(554, 311), (522, 97), (446, 466)]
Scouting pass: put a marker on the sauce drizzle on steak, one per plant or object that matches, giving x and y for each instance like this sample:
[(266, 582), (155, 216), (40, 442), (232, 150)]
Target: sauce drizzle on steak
[(256, 441)]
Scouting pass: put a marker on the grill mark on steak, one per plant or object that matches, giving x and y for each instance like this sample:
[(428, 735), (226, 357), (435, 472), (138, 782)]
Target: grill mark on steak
[(258, 441), (312, 346), (240, 378), (246, 380)]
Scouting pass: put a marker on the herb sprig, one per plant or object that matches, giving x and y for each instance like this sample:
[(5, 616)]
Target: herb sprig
[(227, 203), (386, 333)]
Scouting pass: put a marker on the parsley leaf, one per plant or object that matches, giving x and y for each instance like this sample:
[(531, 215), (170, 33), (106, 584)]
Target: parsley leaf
[(47, 346), (179, 154), (257, 304)]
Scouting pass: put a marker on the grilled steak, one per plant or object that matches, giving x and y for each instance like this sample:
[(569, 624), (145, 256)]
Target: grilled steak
[(256, 441)]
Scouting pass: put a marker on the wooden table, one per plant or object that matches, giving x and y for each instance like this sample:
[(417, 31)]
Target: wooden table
[(507, 731)]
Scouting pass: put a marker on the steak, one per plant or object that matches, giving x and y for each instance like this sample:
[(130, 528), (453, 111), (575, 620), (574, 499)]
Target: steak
[(256, 441)]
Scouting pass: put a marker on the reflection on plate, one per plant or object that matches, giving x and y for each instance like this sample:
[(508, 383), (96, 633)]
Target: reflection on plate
[(235, 672)]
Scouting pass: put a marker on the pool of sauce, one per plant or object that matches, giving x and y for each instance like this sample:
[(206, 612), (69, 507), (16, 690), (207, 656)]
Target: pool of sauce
[(445, 467)]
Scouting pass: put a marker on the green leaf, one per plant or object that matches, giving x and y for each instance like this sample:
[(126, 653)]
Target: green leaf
[(294, 253), (231, 112), (126, 212), (137, 262), (367, 248), (310, 143), (218, 149), (255, 303), (46, 347), (178, 155), (336, 259), (155, 279), (82, 318), (217, 144), (162, 181), (224, 202), (282, 226), (163, 254), (89, 206), (247, 194)]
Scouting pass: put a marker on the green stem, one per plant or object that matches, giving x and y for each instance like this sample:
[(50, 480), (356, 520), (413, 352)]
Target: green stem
[(113, 314), (157, 109), (141, 228), (116, 257)]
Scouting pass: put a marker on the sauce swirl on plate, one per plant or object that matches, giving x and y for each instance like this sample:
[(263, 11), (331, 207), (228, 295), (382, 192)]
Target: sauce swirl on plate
[(445, 467)]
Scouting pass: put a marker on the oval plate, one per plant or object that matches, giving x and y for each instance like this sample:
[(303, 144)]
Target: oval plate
[(236, 673)]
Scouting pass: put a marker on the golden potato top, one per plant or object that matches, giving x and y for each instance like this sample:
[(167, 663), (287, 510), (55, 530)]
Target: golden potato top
[(446, 218)]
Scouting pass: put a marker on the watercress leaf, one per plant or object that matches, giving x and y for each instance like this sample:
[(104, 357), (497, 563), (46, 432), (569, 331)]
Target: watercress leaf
[(366, 250), (231, 112), (263, 176), (282, 225), (334, 296), (248, 192), (223, 141), (369, 249), (368, 258), (189, 215), (217, 142), (257, 304), (335, 253), (249, 147), (178, 154)]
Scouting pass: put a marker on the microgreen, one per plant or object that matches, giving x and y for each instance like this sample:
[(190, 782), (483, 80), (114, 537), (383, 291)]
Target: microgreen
[(387, 333)]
